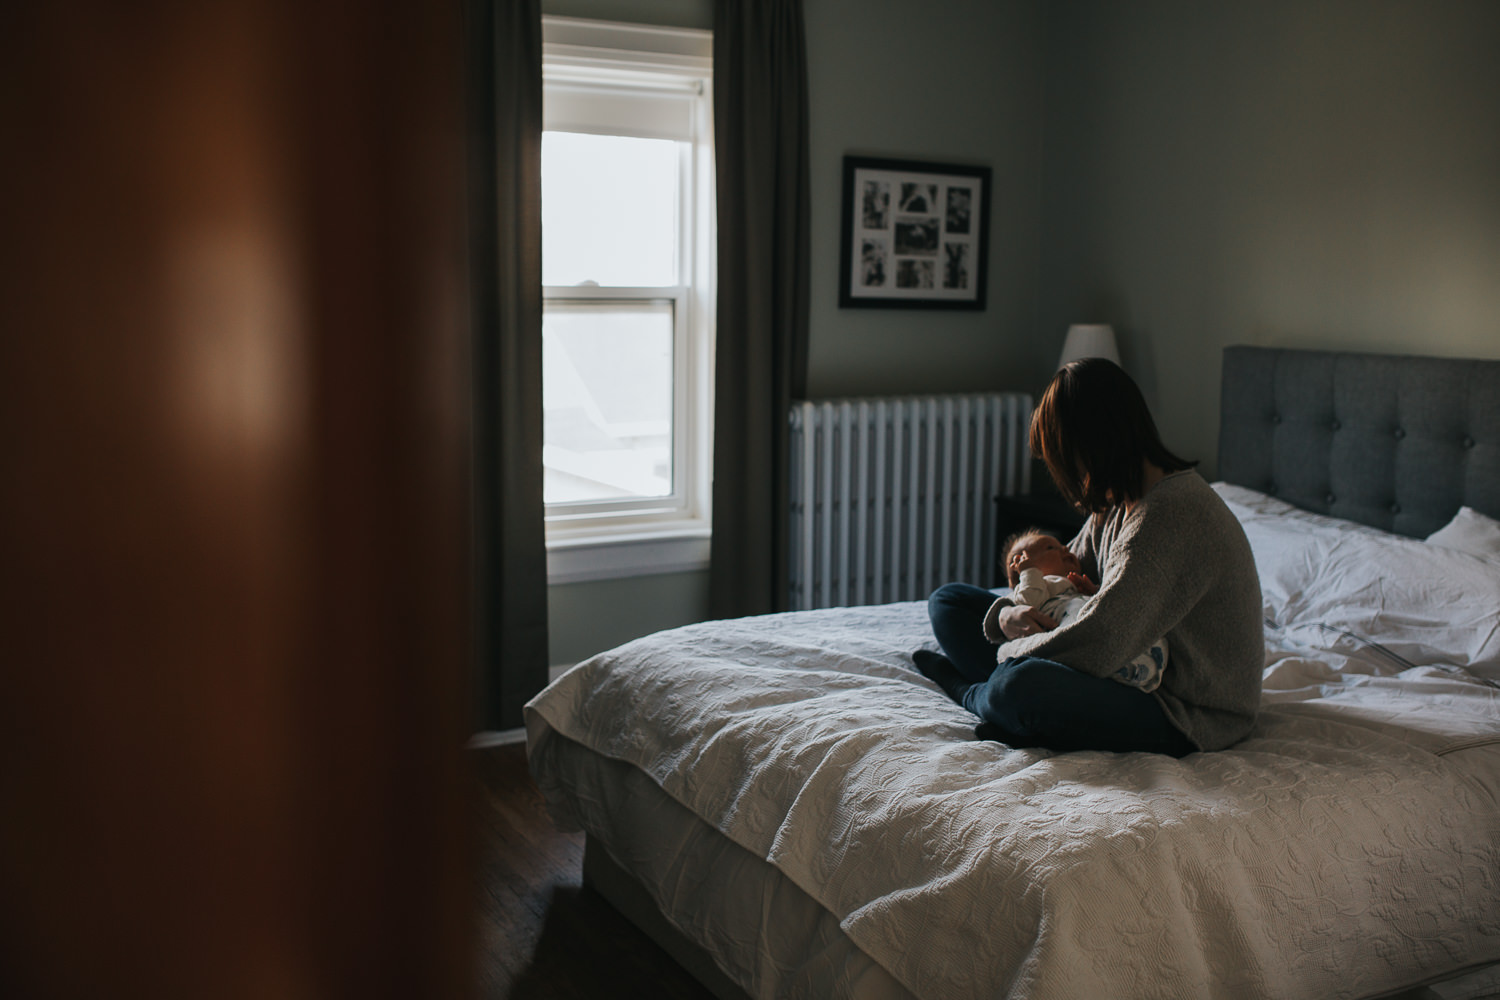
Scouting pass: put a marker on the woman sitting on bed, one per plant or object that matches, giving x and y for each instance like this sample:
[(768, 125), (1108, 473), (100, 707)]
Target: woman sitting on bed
[(1171, 561)]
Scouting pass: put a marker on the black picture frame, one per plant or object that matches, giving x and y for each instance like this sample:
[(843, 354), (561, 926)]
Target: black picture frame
[(916, 235)]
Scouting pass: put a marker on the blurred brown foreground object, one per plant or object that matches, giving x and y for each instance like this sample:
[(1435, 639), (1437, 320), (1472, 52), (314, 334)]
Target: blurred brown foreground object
[(233, 423)]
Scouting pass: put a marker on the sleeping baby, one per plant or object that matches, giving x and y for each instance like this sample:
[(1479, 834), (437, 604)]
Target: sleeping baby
[(1039, 567)]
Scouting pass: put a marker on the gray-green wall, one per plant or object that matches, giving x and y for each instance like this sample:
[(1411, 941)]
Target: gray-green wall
[(1310, 173), (1318, 173), (957, 81)]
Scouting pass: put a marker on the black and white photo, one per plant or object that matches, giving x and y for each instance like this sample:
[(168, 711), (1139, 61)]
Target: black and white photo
[(918, 237), (876, 204), (956, 265), (959, 200), (914, 274), (918, 199), (872, 263)]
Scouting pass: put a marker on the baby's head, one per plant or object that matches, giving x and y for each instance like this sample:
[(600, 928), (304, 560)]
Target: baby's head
[(1033, 549)]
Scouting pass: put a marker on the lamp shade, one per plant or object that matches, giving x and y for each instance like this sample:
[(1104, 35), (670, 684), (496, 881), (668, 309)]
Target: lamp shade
[(1089, 340)]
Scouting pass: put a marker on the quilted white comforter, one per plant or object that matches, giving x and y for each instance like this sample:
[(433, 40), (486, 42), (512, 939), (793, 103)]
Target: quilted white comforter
[(1351, 845)]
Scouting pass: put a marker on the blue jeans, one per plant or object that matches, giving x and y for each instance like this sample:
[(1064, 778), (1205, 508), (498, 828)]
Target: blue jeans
[(1027, 701)]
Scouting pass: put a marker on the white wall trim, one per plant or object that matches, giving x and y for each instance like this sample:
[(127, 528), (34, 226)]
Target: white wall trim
[(610, 557), (610, 37)]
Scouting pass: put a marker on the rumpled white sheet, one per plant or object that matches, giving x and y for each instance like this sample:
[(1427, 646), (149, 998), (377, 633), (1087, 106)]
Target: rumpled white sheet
[(1351, 845)]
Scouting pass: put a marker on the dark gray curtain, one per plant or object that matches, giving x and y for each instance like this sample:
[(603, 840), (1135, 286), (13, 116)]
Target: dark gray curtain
[(760, 148), (505, 64)]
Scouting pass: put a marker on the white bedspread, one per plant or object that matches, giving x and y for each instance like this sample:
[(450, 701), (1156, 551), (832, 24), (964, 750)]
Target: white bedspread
[(1351, 845)]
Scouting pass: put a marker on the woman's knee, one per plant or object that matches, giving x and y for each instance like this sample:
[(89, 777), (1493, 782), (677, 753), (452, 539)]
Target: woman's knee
[(1016, 698), (959, 595), (949, 592), (1025, 680), (945, 596), (956, 611)]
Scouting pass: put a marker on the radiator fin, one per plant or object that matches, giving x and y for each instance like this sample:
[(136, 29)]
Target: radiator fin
[(892, 496)]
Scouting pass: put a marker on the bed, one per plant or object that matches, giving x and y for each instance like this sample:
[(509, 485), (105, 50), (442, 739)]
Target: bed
[(790, 808)]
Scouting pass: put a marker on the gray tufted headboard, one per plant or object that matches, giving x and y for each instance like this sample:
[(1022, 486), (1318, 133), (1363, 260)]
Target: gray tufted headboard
[(1399, 443)]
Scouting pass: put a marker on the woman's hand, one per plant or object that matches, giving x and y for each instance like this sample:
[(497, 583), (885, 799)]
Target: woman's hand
[(1018, 620)]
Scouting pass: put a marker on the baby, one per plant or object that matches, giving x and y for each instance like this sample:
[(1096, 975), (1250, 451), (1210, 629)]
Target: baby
[(1045, 574)]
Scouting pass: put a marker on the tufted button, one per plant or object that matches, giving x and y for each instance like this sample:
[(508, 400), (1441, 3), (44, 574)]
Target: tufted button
[(1395, 508), (1468, 441), (1329, 499), (1271, 488), (1334, 425), (1399, 432), (1275, 419)]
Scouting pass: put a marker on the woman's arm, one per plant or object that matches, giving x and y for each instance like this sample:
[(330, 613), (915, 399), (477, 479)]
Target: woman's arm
[(1020, 614), (1007, 620)]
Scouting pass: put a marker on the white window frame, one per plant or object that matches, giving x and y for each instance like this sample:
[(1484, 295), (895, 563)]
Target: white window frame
[(609, 539)]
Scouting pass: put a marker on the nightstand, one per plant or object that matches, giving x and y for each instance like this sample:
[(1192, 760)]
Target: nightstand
[(1044, 509)]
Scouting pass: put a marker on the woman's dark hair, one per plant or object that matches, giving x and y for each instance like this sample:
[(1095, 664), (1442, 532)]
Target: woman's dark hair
[(1095, 433)]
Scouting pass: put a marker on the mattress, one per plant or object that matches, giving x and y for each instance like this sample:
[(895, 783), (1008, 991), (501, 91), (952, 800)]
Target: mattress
[(820, 819)]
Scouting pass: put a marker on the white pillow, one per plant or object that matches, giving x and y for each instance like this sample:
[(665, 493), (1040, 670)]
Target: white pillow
[(1470, 531), (1290, 545), (1425, 603), (1252, 501)]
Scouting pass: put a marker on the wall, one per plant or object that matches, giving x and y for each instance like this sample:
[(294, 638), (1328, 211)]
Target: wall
[(1289, 173), (959, 83), (950, 82)]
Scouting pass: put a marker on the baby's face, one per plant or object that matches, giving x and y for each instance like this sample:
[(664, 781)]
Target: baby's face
[(1041, 552)]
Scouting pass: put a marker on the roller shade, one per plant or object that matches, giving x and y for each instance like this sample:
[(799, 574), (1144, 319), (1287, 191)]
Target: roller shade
[(650, 112)]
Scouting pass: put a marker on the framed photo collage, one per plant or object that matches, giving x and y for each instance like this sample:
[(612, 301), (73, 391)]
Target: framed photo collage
[(915, 235)]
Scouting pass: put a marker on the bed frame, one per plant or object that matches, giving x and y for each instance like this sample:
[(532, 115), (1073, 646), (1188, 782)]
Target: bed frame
[(1394, 442), (635, 904)]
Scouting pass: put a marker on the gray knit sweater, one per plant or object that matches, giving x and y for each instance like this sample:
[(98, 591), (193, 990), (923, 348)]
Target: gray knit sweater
[(1176, 565)]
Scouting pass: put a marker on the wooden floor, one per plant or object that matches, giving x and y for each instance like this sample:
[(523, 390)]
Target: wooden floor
[(542, 935)]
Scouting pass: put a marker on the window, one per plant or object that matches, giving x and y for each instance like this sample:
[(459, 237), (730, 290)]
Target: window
[(627, 314)]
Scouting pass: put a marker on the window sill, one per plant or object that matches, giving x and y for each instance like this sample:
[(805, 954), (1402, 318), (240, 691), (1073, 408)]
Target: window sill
[(616, 555)]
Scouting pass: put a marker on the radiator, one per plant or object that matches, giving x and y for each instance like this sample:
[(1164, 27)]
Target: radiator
[(891, 497)]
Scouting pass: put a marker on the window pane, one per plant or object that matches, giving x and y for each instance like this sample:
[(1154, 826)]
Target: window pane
[(609, 210), (607, 397)]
